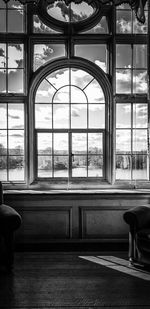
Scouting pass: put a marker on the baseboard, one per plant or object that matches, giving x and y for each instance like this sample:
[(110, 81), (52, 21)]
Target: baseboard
[(75, 246)]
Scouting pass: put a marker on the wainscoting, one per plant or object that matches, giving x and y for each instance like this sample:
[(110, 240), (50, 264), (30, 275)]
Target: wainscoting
[(73, 217)]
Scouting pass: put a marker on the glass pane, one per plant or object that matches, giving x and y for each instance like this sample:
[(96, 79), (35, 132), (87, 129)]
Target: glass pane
[(3, 116), (2, 21), (62, 95), (80, 78), (15, 21), (75, 12), (2, 5), (94, 92), (123, 115), (140, 167), (80, 11), (15, 116), (3, 81), (123, 81), (79, 166), (96, 116), (3, 142), (95, 166), (59, 10), (79, 143), (59, 78), (101, 27), (95, 143), (16, 168), (123, 141), (44, 92), (16, 142), (44, 53), (140, 115), (123, 21), (61, 166), (16, 81), (77, 95), (40, 27), (95, 53), (44, 143), (140, 140), (43, 116), (123, 167), (123, 56), (61, 116), (44, 166), (140, 56), (15, 55), (139, 27), (60, 143), (139, 81), (14, 5), (2, 55), (79, 116), (3, 167)]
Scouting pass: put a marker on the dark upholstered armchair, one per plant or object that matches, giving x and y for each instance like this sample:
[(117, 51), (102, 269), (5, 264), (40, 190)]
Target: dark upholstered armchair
[(10, 220), (138, 219)]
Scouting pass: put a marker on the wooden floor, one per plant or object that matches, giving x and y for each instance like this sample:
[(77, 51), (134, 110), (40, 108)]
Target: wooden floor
[(65, 280)]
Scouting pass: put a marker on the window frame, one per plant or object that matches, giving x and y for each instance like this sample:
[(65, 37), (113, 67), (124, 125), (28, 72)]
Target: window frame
[(103, 80)]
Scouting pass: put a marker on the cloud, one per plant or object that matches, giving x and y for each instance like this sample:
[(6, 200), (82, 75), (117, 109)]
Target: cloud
[(74, 113), (13, 117), (124, 26), (101, 64)]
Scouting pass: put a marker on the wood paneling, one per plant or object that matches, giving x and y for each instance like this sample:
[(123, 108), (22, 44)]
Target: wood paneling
[(73, 217), (102, 223)]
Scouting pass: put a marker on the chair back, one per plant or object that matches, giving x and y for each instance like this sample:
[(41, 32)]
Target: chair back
[(1, 193)]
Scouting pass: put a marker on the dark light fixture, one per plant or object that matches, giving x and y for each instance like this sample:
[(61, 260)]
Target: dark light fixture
[(136, 5)]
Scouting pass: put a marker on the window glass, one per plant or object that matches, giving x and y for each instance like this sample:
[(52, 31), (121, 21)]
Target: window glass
[(44, 53), (96, 53), (73, 12), (131, 64), (12, 152), (126, 21), (67, 105), (12, 17), (12, 68), (40, 27)]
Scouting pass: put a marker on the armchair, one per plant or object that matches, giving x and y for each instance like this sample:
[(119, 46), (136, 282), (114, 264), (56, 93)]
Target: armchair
[(10, 221), (138, 219)]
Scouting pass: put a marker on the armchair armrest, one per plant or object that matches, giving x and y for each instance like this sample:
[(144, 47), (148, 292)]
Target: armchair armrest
[(138, 217), (10, 220)]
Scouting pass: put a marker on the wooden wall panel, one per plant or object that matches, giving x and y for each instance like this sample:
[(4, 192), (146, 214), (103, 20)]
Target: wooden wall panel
[(44, 224), (73, 217), (102, 223)]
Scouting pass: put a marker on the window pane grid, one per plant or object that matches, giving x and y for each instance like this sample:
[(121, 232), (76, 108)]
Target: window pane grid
[(131, 74), (12, 68), (13, 18), (12, 142), (132, 151), (126, 21)]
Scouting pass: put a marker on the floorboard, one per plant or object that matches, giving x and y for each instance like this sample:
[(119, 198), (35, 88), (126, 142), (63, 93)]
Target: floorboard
[(46, 280)]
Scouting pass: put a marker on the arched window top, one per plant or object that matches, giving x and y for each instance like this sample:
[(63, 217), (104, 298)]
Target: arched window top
[(69, 85)]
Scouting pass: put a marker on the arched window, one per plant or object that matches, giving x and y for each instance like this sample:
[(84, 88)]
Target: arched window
[(70, 120)]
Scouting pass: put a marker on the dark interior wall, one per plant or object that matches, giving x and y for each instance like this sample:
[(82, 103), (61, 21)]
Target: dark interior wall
[(73, 217)]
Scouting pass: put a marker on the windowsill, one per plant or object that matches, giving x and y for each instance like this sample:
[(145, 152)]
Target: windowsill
[(77, 192), (121, 187)]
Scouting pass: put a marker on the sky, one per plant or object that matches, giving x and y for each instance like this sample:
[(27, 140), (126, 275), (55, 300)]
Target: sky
[(77, 12)]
